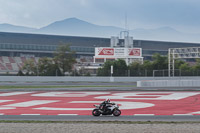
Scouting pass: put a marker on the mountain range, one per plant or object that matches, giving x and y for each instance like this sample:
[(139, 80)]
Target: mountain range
[(77, 27)]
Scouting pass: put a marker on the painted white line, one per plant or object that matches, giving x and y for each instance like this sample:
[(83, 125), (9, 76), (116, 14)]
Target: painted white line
[(145, 95), (31, 103), (85, 102), (182, 114), (144, 114), (198, 112), (14, 93), (69, 94), (67, 114), (30, 114), (5, 108), (124, 105), (50, 108), (2, 101)]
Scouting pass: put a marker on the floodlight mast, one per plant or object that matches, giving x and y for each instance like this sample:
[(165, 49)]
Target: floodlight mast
[(125, 32), (180, 53)]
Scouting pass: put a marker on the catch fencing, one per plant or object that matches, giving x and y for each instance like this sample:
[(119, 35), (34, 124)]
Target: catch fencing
[(86, 79)]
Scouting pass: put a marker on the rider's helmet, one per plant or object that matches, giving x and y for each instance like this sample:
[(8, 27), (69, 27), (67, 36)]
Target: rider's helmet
[(108, 100)]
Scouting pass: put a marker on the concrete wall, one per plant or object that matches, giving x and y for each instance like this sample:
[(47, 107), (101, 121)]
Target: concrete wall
[(169, 83), (87, 79)]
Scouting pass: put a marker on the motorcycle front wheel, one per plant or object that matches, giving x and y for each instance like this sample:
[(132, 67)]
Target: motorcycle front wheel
[(116, 112), (96, 112)]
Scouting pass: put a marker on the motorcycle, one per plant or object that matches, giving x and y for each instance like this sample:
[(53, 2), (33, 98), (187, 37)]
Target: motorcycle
[(111, 109)]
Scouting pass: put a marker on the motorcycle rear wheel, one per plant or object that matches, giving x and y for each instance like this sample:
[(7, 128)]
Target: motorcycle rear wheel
[(96, 112)]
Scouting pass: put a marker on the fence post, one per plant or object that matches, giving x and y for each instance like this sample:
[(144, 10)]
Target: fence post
[(128, 73), (145, 72)]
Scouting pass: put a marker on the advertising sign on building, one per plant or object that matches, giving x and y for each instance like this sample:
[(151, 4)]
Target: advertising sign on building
[(105, 51), (134, 52), (103, 54), (119, 51)]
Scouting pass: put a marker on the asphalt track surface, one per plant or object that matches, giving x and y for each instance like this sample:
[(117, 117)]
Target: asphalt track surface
[(103, 118), (106, 89), (127, 86)]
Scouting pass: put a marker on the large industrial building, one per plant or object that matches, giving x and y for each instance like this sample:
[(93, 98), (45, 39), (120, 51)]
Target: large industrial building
[(15, 48)]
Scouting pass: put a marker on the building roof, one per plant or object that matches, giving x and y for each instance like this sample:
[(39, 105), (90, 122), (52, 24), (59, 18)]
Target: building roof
[(41, 39)]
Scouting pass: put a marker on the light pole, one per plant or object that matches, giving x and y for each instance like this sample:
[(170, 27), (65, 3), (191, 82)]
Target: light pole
[(111, 72)]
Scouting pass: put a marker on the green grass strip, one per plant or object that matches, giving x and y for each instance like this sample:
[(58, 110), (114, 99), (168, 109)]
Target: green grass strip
[(59, 86)]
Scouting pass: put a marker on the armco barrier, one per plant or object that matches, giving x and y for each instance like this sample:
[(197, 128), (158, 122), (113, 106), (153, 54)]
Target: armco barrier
[(67, 79), (87, 79), (169, 83)]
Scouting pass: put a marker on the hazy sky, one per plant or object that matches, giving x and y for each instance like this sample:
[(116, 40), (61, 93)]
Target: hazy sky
[(183, 15)]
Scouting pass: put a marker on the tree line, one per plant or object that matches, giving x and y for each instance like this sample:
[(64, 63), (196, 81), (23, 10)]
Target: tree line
[(157, 67), (62, 63), (64, 59)]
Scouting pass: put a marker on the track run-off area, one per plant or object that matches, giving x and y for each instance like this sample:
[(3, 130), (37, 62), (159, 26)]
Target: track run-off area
[(150, 103)]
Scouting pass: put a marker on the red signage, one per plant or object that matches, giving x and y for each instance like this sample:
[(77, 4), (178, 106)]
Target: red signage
[(105, 51), (134, 52)]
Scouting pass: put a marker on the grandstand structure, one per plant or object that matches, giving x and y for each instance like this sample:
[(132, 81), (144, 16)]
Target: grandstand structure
[(16, 48), (12, 65)]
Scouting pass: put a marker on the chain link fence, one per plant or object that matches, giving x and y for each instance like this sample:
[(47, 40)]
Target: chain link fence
[(151, 73)]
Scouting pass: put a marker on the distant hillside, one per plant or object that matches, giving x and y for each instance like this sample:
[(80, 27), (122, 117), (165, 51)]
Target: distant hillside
[(14, 28), (77, 27), (74, 26)]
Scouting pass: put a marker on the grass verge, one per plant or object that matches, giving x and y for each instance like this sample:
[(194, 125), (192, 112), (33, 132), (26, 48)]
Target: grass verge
[(60, 86)]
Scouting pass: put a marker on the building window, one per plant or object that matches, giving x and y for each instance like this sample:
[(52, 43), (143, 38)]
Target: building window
[(99, 60), (110, 59)]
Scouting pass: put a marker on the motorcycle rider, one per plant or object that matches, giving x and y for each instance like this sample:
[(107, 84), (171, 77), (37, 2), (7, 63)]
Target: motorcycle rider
[(104, 104)]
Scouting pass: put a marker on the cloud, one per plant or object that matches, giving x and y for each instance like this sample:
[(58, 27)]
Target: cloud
[(181, 14)]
